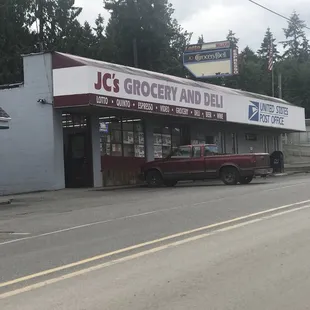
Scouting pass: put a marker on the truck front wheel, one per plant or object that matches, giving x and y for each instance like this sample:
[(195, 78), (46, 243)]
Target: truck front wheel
[(246, 180), (154, 178), (230, 176)]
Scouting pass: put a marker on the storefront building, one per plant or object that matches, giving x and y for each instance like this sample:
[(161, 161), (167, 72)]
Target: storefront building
[(93, 123)]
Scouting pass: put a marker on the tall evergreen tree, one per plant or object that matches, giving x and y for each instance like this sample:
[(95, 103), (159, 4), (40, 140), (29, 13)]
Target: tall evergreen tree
[(268, 41), (251, 76), (148, 27), (57, 21), (16, 38), (200, 39), (231, 37), (296, 44), (264, 56)]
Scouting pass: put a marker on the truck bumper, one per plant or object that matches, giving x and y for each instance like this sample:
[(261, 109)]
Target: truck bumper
[(263, 172)]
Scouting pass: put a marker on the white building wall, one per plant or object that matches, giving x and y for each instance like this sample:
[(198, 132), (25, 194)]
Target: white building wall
[(31, 153), (245, 146)]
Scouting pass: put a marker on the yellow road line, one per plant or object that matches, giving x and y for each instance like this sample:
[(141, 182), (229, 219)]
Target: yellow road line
[(141, 245), (140, 254)]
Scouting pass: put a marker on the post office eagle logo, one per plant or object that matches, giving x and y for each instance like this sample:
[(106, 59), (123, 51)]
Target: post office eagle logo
[(253, 111)]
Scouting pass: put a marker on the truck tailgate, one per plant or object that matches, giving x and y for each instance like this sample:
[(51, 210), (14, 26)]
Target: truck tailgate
[(262, 160)]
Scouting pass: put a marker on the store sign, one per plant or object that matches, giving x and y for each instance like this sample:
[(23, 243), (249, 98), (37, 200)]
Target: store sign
[(267, 113), (208, 56), (166, 95), (157, 96), (156, 108), (235, 63), (104, 127), (156, 91), (250, 137)]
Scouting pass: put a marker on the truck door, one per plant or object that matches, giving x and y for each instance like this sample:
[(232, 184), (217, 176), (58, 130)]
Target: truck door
[(212, 161), (197, 164), (177, 165)]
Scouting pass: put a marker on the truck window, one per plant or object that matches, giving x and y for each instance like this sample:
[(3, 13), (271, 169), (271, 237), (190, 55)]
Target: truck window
[(181, 152), (196, 151), (210, 150)]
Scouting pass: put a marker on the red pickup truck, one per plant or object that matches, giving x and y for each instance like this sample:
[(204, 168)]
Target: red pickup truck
[(201, 162)]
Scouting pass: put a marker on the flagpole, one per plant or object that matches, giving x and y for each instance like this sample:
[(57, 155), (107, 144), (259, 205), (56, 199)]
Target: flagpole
[(272, 70), (272, 82)]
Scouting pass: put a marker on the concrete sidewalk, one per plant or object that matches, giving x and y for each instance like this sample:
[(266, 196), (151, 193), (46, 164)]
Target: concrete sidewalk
[(297, 168), (60, 195), (48, 197)]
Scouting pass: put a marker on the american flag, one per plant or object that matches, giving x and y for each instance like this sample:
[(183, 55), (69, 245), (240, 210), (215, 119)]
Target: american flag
[(270, 57)]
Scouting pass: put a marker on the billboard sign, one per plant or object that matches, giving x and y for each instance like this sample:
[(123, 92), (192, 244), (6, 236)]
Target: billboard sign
[(211, 59), (207, 46)]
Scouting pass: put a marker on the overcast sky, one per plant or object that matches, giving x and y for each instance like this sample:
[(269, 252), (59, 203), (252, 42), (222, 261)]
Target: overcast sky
[(214, 18)]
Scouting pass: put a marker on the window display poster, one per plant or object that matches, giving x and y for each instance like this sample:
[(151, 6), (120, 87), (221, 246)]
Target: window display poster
[(108, 149), (166, 139), (116, 148), (139, 151), (104, 127), (158, 151), (128, 137), (157, 139), (139, 138)]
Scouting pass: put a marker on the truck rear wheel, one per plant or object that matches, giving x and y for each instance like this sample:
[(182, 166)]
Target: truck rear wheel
[(230, 176), (154, 178), (170, 183), (246, 180)]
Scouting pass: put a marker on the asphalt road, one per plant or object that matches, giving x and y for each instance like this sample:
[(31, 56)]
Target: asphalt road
[(190, 247)]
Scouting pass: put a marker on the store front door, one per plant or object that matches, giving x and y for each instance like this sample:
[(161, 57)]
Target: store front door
[(78, 157)]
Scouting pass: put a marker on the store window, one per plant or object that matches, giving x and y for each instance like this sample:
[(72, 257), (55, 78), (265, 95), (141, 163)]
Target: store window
[(121, 137), (181, 152), (165, 139), (196, 151), (200, 138)]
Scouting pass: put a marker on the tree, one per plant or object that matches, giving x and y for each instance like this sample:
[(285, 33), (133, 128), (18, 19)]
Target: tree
[(232, 81), (231, 37), (296, 44), (57, 21), (251, 76), (147, 27), (15, 38), (200, 39), (264, 56), (295, 82), (268, 42)]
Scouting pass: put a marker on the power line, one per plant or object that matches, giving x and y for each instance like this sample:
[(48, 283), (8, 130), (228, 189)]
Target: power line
[(273, 12)]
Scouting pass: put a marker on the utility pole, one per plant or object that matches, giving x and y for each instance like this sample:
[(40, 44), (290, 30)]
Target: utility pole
[(41, 24), (272, 82)]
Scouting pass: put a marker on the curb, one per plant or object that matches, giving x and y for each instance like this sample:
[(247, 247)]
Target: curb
[(5, 202), (115, 188), (289, 173)]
